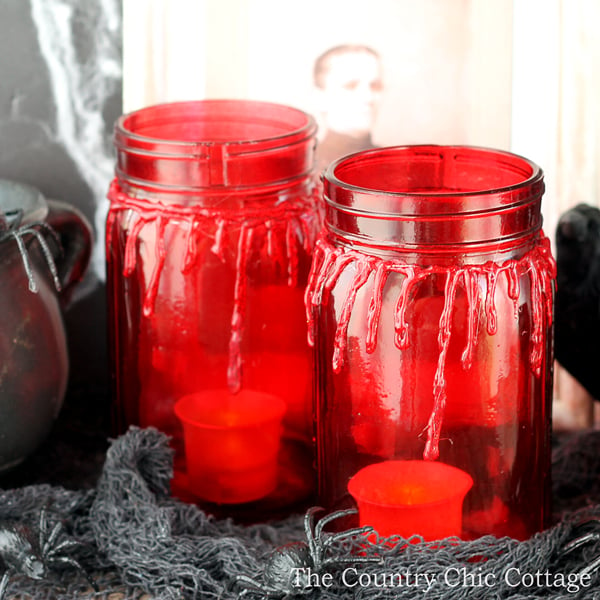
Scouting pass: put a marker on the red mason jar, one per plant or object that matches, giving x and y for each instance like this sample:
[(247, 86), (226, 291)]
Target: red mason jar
[(430, 308), (209, 241)]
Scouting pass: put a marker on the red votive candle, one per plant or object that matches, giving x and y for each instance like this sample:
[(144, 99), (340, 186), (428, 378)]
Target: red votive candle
[(231, 444), (411, 497)]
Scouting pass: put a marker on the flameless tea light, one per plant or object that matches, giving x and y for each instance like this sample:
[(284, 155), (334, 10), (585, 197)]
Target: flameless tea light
[(411, 497), (231, 444)]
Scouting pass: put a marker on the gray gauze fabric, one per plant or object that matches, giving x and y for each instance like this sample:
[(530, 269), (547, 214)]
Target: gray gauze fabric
[(136, 541)]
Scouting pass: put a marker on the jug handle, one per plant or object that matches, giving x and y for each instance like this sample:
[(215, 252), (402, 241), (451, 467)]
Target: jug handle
[(76, 236)]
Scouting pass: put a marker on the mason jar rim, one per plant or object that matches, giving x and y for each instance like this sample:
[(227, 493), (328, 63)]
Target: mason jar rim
[(214, 145), (368, 157), (441, 197), (245, 111)]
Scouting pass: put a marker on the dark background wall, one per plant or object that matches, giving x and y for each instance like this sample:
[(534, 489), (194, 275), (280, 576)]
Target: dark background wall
[(60, 93)]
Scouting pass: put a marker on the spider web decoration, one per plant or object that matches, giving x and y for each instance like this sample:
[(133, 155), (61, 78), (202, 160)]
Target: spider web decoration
[(134, 539), (84, 72), (20, 234)]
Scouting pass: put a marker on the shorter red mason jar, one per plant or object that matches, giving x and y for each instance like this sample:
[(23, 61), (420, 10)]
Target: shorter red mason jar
[(430, 307), (209, 242)]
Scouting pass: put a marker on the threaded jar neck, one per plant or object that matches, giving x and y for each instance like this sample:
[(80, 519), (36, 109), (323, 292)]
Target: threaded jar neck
[(438, 199), (213, 145)]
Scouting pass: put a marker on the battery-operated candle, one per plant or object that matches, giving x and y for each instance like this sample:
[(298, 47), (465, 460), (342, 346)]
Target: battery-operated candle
[(411, 497), (231, 444)]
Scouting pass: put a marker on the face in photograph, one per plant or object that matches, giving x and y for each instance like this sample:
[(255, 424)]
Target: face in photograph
[(348, 83)]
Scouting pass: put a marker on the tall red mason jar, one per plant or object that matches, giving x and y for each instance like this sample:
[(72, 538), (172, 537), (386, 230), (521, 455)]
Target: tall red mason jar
[(210, 235), (430, 307)]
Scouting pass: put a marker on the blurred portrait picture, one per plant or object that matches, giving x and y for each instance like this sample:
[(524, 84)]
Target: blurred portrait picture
[(348, 82)]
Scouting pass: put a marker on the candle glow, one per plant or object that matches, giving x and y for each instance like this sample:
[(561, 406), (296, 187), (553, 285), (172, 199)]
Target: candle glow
[(411, 497), (231, 444)]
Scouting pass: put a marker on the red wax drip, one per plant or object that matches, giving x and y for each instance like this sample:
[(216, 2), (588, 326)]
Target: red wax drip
[(287, 219), (191, 249), (305, 232), (329, 263), (328, 258), (332, 260), (270, 242), (217, 247), (436, 418), (291, 239), (311, 291), (148, 306), (360, 278), (474, 301), (234, 370), (400, 325), (514, 289), (130, 249), (381, 274), (490, 306), (110, 223)]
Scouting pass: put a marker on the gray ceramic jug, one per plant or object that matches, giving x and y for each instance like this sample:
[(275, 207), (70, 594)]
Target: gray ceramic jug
[(44, 251)]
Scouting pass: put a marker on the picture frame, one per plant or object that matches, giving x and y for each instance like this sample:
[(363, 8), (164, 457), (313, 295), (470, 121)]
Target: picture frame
[(447, 66)]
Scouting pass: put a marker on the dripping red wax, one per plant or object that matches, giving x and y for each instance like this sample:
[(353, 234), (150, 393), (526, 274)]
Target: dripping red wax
[(329, 264)]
